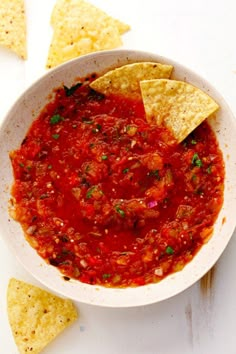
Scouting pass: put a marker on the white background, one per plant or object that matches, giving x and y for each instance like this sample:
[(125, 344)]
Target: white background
[(202, 320)]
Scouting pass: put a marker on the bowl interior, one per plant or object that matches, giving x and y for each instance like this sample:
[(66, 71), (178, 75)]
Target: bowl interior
[(12, 132)]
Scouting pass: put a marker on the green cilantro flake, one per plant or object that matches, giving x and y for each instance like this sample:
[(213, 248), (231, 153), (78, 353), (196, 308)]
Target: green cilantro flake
[(94, 192), (90, 192), (56, 119), (196, 160), (120, 211), (106, 275), (198, 163), (193, 142), (154, 173), (169, 250), (56, 136), (21, 164), (209, 170), (86, 120), (104, 157), (125, 170)]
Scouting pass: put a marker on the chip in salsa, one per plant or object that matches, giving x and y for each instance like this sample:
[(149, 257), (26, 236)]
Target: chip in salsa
[(109, 198), (181, 107), (126, 79)]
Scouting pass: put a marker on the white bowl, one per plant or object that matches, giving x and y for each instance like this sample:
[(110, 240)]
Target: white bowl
[(12, 132)]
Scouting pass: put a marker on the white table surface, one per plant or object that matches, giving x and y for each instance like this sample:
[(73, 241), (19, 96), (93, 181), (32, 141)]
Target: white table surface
[(202, 320)]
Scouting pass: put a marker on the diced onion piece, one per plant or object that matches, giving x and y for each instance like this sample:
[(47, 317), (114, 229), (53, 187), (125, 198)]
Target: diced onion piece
[(83, 263), (158, 272)]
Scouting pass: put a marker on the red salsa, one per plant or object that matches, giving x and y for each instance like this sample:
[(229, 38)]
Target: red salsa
[(109, 199)]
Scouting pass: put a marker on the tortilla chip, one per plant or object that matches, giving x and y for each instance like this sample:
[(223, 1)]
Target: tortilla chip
[(64, 9), (36, 317), (81, 28), (125, 79), (13, 26), (180, 106)]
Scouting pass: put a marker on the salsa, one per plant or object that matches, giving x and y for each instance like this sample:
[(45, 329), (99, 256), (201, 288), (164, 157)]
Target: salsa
[(109, 199)]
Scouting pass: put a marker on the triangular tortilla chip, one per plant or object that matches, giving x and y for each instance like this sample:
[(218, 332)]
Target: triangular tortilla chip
[(13, 26), (64, 9), (125, 79), (36, 316), (81, 28), (178, 105)]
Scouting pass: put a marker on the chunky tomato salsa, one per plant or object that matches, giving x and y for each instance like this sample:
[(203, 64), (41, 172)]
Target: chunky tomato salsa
[(109, 199)]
